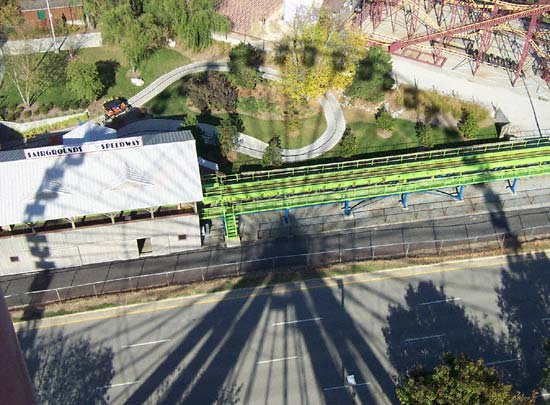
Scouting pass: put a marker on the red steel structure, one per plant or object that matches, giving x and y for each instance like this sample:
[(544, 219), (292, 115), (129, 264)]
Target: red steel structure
[(463, 19)]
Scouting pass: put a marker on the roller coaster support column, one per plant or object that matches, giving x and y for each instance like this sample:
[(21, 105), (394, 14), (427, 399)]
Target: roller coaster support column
[(347, 210), (287, 213), (404, 200), (485, 41), (460, 193), (526, 46), (513, 186)]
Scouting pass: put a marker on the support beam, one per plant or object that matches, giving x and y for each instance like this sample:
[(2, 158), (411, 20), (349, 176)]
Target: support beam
[(72, 221), (526, 46), (404, 200), (460, 193), (347, 209), (513, 186), (287, 214)]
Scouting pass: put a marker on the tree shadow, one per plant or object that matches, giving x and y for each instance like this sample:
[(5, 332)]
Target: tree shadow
[(524, 301), (67, 370), (432, 323), (107, 70)]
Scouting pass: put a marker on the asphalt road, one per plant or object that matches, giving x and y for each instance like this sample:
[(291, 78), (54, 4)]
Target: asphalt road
[(296, 345)]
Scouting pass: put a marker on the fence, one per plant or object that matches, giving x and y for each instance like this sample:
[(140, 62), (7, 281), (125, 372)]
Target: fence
[(306, 261)]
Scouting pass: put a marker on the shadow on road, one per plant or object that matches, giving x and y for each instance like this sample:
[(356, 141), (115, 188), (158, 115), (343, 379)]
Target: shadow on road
[(67, 370)]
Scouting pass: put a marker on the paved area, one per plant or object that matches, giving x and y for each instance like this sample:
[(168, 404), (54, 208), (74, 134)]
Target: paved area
[(295, 344)]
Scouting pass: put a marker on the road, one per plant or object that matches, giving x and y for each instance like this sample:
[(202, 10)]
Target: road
[(294, 344)]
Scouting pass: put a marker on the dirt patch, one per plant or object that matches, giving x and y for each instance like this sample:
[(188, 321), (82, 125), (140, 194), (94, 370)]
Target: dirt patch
[(382, 133)]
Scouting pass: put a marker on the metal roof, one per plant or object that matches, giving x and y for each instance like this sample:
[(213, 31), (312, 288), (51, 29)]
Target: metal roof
[(162, 171), (28, 5)]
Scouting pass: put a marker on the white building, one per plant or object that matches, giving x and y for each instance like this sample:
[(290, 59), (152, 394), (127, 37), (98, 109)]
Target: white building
[(98, 201)]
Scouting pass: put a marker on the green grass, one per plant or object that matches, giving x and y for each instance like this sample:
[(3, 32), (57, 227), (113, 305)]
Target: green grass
[(160, 62)]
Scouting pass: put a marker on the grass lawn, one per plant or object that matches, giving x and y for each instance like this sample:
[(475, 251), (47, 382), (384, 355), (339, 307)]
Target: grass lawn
[(172, 103), (110, 59)]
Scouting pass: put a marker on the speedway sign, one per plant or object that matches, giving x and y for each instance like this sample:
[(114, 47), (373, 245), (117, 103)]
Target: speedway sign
[(98, 146)]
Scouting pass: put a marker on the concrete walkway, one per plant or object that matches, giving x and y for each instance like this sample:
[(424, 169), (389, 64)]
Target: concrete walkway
[(249, 145)]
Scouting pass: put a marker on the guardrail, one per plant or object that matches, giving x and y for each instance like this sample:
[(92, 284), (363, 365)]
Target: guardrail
[(287, 263)]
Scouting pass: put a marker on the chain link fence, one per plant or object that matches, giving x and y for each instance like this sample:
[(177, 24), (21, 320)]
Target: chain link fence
[(305, 261)]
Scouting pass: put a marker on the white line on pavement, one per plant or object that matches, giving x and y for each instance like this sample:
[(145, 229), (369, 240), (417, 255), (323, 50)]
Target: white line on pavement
[(298, 321), (424, 337), (146, 343), (274, 360), (440, 301), (343, 386), (500, 362), (545, 319), (117, 385)]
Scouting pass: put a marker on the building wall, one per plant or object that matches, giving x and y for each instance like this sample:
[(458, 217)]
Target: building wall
[(96, 244), (72, 14)]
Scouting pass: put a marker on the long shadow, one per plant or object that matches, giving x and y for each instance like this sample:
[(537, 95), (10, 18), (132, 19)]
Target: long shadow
[(67, 370), (432, 323)]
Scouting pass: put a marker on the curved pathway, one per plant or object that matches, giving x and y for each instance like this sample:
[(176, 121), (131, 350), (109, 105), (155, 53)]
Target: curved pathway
[(249, 145)]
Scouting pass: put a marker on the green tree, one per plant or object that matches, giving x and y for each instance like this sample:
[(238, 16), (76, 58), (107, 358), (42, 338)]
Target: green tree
[(202, 21), (83, 80), (319, 55), (272, 156), (468, 126), (372, 77), (142, 37), (457, 380), (212, 91), (172, 15), (228, 136), (348, 144), (93, 9), (244, 61), (425, 135), (10, 17), (32, 73), (384, 120)]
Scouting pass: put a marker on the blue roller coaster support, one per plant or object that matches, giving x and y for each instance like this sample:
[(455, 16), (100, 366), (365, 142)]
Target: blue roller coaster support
[(287, 213), (513, 186), (460, 193), (404, 200), (347, 209)]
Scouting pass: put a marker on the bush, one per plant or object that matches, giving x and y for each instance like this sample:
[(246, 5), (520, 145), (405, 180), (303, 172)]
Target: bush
[(424, 133), (272, 156), (348, 144), (384, 120), (212, 91), (27, 114), (43, 109), (228, 136), (244, 61), (468, 126)]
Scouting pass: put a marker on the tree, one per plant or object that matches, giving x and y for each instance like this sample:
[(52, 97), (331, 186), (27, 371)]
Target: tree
[(84, 80), (244, 61), (202, 21), (10, 17), (319, 55), (93, 9), (457, 380), (424, 133), (172, 15), (272, 154), (228, 136), (32, 73), (384, 119), (142, 37), (468, 126), (373, 76), (212, 91), (348, 144)]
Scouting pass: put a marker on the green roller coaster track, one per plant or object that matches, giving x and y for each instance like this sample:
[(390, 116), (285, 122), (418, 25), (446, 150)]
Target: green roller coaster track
[(253, 192)]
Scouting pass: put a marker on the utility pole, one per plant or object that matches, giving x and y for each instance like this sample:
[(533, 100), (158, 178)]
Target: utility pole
[(51, 27)]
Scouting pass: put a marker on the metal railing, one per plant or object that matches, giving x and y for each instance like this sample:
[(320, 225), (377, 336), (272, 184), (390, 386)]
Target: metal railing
[(303, 262)]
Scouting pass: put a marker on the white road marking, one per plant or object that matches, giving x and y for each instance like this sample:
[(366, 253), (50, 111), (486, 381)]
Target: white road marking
[(117, 385), (440, 301), (274, 360), (343, 386), (298, 321), (545, 319), (500, 362), (424, 337), (146, 343)]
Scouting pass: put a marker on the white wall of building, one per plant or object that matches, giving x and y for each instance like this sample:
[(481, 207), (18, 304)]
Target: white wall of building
[(291, 8), (96, 244)]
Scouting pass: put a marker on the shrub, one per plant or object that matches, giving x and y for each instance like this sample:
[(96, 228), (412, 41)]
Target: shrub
[(468, 126), (26, 114), (228, 136), (272, 154), (43, 109), (244, 61), (348, 144), (384, 119), (424, 133)]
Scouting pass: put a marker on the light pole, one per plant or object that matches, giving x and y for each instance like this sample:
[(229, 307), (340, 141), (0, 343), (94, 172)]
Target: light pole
[(51, 27)]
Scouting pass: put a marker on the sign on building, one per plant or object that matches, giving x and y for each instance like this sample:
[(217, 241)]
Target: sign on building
[(98, 146)]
